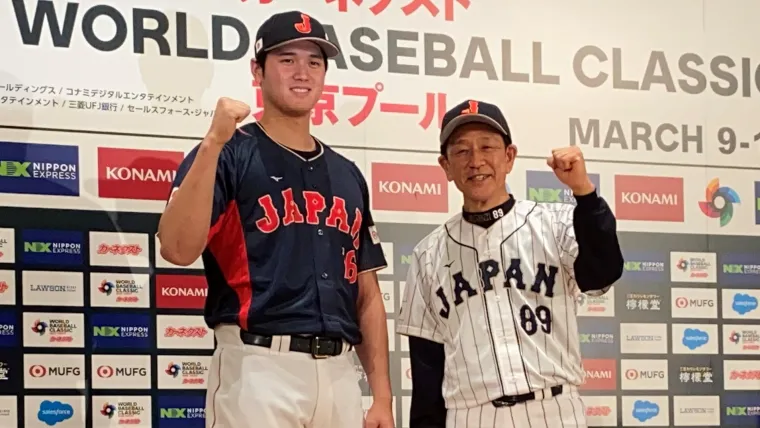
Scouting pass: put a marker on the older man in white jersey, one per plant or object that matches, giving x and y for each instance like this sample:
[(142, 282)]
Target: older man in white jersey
[(490, 300)]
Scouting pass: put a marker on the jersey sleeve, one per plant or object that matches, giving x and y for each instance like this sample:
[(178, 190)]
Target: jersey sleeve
[(416, 316), (225, 185), (589, 246), (370, 252)]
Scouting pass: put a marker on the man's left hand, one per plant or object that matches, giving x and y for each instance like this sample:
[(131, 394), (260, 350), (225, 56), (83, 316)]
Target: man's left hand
[(570, 168), (379, 415)]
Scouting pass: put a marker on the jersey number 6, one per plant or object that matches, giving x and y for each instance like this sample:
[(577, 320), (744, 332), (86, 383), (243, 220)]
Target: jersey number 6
[(529, 319)]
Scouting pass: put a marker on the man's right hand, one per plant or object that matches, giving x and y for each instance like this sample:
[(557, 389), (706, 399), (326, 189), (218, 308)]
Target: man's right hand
[(227, 115)]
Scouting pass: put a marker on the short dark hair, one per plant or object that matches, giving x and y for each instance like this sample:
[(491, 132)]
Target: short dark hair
[(261, 59), (506, 138)]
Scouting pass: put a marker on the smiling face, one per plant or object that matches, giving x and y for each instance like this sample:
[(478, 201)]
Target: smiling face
[(292, 78), (478, 162)]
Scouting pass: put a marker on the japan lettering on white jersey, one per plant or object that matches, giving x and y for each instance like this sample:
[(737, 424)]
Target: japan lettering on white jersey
[(502, 301)]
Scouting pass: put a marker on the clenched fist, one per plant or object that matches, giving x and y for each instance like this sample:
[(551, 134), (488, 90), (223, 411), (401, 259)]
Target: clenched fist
[(227, 115), (570, 168)]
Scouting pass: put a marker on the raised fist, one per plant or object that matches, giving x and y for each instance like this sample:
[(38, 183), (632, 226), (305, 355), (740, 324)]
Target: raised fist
[(227, 115), (570, 168)]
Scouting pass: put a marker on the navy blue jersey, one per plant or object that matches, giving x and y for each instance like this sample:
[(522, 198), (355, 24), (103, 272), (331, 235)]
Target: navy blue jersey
[(288, 239)]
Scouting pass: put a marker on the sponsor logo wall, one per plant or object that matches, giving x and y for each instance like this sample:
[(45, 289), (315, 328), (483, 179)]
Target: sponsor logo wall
[(97, 330), (657, 350)]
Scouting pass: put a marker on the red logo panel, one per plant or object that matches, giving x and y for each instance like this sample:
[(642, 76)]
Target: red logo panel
[(400, 187), (136, 174), (649, 198), (600, 374), (181, 291)]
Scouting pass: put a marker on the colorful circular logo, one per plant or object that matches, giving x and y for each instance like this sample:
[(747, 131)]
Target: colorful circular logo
[(719, 202)]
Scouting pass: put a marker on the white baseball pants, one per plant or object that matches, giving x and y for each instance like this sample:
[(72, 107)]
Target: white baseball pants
[(255, 387), (563, 411)]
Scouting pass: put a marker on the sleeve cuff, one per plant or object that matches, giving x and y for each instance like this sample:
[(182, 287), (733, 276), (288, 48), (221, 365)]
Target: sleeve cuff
[(590, 202)]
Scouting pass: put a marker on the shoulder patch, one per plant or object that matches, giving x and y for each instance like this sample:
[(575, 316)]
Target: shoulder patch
[(373, 234)]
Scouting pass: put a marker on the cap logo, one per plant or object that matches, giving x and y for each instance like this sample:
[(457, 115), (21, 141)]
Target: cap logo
[(304, 27), (259, 45), (472, 108)]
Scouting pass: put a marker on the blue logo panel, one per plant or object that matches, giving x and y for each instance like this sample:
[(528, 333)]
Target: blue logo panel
[(186, 411), (741, 409), (645, 266), (694, 338), (113, 331), (644, 410), (39, 169), (52, 247), (8, 330), (544, 186), (743, 303), (54, 412), (739, 269), (598, 339)]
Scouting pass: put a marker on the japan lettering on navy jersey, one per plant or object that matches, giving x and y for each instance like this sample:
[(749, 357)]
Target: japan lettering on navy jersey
[(288, 239), (501, 300)]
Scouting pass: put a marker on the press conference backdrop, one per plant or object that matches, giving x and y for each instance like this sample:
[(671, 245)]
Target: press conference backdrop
[(100, 101)]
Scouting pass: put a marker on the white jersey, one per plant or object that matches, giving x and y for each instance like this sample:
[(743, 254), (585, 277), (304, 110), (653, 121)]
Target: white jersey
[(502, 301)]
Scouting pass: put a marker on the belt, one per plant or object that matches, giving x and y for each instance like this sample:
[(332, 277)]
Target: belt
[(511, 400), (318, 347)]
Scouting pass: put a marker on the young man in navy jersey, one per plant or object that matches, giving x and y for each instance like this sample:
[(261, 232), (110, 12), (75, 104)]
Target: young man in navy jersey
[(289, 248)]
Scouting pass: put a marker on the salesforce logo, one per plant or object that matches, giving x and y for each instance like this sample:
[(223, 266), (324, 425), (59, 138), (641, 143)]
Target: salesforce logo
[(645, 410), (693, 338), (744, 303), (54, 412)]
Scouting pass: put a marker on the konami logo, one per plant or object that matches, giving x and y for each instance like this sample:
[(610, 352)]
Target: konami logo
[(601, 374), (136, 174), (404, 187), (649, 198), (181, 291)]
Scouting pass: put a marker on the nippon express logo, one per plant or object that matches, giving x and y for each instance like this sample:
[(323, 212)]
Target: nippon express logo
[(597, 338), (644, 266), (694, 338), (120, 331), (644, 410), (741, 409), (743, 303), (719, 202), (39, 169), (54, 412), (186, 411), (739, 268), (543, 186), (53, 247), (8, 336)]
